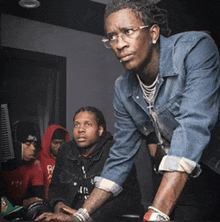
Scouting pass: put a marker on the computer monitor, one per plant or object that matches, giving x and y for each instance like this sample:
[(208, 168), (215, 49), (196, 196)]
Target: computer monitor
[(6, 144)]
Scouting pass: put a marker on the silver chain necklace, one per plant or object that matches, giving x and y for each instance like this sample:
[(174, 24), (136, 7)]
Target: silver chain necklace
[(149, 91)]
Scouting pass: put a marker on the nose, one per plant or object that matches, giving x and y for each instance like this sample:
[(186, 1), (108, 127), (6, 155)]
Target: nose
[(121, 43), (81, 129), (33, 146)]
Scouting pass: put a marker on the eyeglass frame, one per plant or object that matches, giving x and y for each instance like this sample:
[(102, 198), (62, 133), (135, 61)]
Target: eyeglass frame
[(106, 39)]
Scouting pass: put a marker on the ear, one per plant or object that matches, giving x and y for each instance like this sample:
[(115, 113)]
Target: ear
[(101, 131), (155, 33)]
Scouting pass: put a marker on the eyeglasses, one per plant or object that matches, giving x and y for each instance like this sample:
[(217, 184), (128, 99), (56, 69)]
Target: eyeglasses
[(127, 34)]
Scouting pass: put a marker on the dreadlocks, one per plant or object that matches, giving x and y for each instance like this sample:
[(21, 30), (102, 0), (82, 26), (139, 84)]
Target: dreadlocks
[(146, 10)]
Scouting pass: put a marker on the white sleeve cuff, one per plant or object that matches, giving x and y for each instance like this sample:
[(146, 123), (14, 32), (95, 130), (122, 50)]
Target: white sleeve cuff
[(179, 164), (107, 185)]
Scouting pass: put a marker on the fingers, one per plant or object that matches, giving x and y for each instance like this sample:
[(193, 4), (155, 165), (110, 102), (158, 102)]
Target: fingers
[(53, 216), (38, 199), (59, 207), (42, 216), (69, 210), (47, 217)]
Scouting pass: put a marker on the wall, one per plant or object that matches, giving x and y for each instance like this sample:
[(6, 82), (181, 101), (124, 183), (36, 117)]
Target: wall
[(91, 69)]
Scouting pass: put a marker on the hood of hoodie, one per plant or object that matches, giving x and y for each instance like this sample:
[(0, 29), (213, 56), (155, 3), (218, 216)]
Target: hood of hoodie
[(46, 143), (103, 140)]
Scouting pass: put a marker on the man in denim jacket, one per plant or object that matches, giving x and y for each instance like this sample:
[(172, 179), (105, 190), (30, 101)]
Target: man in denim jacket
[(170, 88)]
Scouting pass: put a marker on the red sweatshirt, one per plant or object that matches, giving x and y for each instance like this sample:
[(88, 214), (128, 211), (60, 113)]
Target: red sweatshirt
[(47, 161)]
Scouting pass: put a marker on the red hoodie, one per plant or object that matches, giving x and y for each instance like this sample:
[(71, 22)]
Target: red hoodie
[(47, 161)]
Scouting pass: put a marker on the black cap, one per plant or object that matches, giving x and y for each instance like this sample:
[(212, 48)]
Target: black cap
[(24, 131), (59, 134)]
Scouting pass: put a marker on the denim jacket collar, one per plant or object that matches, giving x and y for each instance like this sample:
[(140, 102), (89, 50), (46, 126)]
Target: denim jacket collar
[(167, 65)]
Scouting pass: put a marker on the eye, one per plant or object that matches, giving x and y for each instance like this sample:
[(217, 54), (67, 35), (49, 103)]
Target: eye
[(28, 144), (112, 37), (128, 31), (88, 124), (75, 125)]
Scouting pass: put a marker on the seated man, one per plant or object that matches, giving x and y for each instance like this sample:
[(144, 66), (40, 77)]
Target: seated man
[(54, 137), (23, 176), (79, 162)]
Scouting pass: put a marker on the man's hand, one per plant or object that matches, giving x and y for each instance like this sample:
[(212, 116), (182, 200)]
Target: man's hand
[(96, 199), (63, 208), (69, 210), (171, 187), (27, 202), (56, 216)]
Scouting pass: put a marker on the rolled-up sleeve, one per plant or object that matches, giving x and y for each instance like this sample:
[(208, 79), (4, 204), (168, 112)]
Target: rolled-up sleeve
[(127, 143), (179, 164), (199, 107), (107, 185)]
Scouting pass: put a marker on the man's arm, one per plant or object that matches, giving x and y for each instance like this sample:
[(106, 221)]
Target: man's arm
[(38, 191), (171, 187), (167, 195), (96, 199), (196, 117)]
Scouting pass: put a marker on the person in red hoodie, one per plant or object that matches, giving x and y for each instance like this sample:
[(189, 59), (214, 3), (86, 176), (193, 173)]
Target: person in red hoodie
[(54, 137)]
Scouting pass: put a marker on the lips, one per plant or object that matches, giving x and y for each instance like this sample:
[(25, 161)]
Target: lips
[(81, 139), (125, 58)]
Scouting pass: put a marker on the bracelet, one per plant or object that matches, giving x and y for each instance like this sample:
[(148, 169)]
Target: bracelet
[(153, 217), (167, 218), (80, 219), (82, 214)]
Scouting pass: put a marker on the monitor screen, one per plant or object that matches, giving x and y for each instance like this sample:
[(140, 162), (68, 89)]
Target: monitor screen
[(6, 144)]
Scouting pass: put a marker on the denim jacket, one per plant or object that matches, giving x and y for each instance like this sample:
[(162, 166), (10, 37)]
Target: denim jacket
[(186, 107)]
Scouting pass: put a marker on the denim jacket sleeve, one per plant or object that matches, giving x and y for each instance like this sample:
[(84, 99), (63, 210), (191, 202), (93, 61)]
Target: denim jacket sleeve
[(198, 109), (125, 148)]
